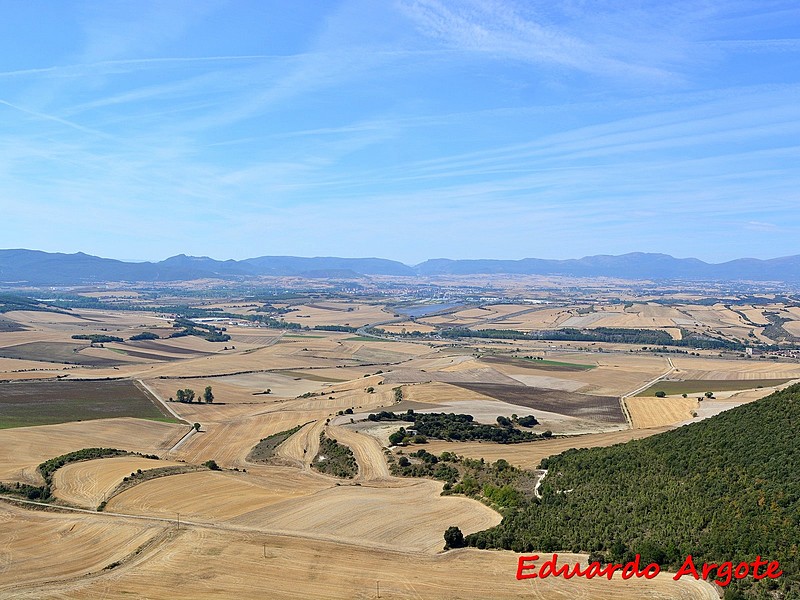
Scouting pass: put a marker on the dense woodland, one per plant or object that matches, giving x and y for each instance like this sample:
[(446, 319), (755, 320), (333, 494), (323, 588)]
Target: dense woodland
[(724, 489), (450, 426), (612, 335)]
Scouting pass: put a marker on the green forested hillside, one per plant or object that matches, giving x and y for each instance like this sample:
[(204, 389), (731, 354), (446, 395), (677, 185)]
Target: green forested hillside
[(724, 489)]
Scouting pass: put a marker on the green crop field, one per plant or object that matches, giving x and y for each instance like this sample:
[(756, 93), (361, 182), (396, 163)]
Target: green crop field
[(49, 402)]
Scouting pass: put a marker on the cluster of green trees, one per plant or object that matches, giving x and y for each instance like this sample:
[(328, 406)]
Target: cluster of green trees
[(427, 465), (497, 484), (207, 332), (50, 466), (342, 328), (274, 310), (616, 335), (775, 330), (271, 322), (724, 489), (97, 338), (450, 426), (335, 459), (26, 490), (145, 335), (187, 395), (9, 302)]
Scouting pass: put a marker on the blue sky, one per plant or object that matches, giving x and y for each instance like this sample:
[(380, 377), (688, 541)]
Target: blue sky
[(405, 129)]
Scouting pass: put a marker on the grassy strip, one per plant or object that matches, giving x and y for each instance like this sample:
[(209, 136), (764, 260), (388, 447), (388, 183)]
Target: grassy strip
[(700, 386), (36, 403), (265, 449)]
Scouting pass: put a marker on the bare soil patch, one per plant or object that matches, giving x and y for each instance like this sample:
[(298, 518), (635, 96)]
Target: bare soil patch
[(600, 408), (539, 365), (49, 402)]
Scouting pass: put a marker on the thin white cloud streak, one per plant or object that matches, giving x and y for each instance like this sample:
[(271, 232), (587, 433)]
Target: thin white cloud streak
[(498, 29), (54, 119), (116, 67), (765, 45)]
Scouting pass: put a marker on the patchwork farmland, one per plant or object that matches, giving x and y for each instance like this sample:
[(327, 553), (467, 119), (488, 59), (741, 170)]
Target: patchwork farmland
[(210, 495)]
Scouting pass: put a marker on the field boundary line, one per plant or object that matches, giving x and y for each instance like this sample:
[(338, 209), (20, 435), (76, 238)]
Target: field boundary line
[(151, 392), (624, 397)]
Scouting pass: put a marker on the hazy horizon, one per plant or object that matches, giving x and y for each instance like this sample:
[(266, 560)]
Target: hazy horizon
[(409, 264)]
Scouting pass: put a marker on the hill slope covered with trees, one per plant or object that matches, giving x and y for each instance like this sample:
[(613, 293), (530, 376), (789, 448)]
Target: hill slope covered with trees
[(724, 489)]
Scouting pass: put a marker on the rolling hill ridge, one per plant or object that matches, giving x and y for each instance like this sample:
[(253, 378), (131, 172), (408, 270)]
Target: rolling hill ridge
[(33, 267)]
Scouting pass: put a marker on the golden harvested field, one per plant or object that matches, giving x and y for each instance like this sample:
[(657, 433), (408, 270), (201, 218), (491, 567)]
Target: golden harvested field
[(88, 483), (408, 515), (229, 442), (616, 374), (283, 530), (532, 318), (228, 391), (792, 327), (39, 547), (200, 562), (408, 327), (213, 496), (528, 455), (709, 368), (656, 412), (301, 448), (24, 448), (439, 393), (337, 313)]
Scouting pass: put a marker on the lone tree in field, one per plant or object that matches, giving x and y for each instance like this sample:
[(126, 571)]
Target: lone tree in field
[(453, 538), (661, 394), (196, 426), (208, 396)]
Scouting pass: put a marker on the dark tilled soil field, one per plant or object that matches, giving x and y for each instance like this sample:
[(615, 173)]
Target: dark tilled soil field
[(605, 409), (49, 402), (539, 365), (7, 325)]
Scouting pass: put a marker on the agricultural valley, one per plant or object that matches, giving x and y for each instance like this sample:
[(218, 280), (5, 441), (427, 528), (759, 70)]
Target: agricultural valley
[(290, 436)]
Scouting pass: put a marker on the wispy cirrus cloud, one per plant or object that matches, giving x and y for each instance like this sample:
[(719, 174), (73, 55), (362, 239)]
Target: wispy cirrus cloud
[(522, 32)]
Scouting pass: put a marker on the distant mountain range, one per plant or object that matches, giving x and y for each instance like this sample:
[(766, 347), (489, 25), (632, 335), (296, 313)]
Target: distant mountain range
[(32, 267)]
